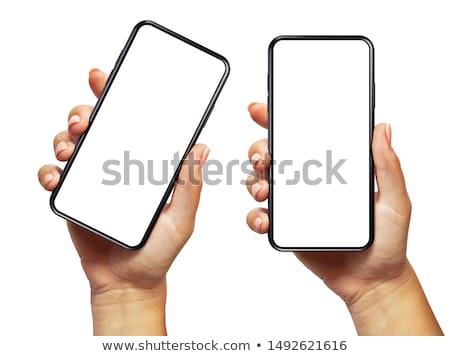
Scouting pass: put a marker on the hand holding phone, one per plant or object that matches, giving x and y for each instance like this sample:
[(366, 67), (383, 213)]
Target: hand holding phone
[(154, 105), (120, 278), (360, 278), (128, 288), (365, 280)]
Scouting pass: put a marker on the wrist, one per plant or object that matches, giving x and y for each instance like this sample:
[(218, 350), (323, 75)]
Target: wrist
[(394, 307), (129, 311)]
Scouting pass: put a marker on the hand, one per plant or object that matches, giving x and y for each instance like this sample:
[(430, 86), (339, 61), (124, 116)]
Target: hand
[(357, 277), (118, 276)]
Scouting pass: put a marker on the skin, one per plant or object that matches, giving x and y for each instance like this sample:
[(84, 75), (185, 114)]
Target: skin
[(378, 285), (128, 288)]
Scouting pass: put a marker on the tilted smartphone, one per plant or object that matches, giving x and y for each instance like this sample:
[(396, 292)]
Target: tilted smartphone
[(156, 101), (321, 114)]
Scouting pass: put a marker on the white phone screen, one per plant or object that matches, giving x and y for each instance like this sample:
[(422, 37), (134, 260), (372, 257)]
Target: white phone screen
[(321, 117)]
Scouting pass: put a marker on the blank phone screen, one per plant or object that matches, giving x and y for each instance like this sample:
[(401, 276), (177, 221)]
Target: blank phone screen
[(158, 98), (321, 116)]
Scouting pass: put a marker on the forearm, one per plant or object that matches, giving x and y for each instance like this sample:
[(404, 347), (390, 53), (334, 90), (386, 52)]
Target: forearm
[(397, 307), (129, 312)]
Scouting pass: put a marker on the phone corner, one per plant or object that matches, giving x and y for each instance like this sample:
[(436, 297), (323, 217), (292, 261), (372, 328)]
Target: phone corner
[(274, 245), (367, 41), (275, 40), (52, 203), (139, 244), (226, 65), (368, 244), (136, 247), (145, 23)]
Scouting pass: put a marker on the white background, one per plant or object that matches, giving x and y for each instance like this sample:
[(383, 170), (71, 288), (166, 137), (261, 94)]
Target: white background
[(227, 280)]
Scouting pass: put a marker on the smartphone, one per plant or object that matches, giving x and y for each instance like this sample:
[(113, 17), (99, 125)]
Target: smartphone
[(321, 114), (155, 103)]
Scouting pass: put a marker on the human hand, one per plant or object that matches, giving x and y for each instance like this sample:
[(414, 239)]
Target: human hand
[(125, 282), (359, 278)]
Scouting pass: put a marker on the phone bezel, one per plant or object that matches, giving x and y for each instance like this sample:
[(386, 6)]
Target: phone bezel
[(271, 143), (97, 107)]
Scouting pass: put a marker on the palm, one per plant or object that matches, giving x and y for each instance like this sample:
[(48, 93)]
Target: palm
[(107, 265), (349, 274)]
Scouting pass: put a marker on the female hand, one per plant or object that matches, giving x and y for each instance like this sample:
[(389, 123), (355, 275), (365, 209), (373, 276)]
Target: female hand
[(361, 279), (120, 278)]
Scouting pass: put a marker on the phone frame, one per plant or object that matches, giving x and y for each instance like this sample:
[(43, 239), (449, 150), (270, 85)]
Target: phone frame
[(97, 107), (371, 108)]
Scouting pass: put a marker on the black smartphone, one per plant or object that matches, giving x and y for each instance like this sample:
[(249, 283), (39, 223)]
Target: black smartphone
[(155, 103), (321, 114)]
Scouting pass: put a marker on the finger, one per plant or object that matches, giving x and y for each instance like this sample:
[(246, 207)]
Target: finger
[(48, 176), (259, 156), (63, 146), (186, 195), (258, 188), (78, 121), (97, 81), (258, 112), (258, 220), (390, 179)]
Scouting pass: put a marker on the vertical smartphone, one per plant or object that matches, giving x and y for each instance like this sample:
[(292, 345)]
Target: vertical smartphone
[(155, 103), (321, 114)]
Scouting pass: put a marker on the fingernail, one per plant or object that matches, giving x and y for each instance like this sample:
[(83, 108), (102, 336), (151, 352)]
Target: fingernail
[(74, 119), (204, 156), (255, 158), (94, 70), (256, 188), (258, 223), (48, 178), (388, 133), (60, 147), (251, 105)]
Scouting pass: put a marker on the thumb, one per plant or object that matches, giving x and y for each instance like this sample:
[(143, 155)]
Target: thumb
[(186, 195), (389, 174)]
